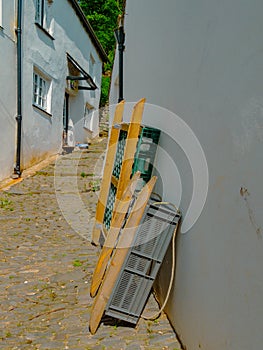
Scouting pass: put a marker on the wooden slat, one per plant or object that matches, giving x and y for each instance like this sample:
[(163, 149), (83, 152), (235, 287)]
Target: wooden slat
[(125, 127), (108, 168), (110, 242), (114, 181), (130, 149), (119, 255)]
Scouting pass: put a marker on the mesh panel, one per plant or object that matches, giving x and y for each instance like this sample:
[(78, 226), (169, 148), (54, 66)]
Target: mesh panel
[(119, 154), (138, 263), (109, 206), (127, 290), (151, 228)]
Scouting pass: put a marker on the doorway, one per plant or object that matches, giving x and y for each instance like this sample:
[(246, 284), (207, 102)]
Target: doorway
[(65, 119)]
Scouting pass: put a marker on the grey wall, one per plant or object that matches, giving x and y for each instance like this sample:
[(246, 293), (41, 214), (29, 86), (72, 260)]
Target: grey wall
[(41, 133), (203, 60), (7, 90)]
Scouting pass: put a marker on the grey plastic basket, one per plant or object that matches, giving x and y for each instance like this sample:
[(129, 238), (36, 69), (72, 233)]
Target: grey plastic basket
[(142, 263)]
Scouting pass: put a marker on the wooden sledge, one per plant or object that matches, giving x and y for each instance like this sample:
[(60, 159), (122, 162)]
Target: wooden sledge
[(111, 239), (133, 131), (106, 180), (130, 150), (119, 254)]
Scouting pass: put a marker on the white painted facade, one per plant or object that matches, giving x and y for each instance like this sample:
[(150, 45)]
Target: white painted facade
[(48, 49), (7, 88), (202, 61)]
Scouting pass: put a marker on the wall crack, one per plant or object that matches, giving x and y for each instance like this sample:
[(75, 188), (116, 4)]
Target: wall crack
[(245, 195)]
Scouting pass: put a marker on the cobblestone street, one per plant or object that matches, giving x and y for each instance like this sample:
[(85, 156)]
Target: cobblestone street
[(46, 263)]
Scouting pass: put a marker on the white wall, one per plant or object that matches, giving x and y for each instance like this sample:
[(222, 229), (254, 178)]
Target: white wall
[(42, 133), (203, 60), (7, 89)]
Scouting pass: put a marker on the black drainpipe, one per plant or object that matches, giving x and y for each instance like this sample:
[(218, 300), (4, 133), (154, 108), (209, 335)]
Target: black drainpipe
[(17, 169), (120, 36)]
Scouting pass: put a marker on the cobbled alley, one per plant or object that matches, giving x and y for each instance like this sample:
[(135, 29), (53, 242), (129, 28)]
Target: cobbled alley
[(47, 260)]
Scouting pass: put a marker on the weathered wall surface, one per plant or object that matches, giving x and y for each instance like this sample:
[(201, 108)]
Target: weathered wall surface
[(7, 90), (204, 62), (42, 133)]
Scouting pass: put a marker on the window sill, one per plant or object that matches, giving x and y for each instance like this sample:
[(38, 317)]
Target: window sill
[(88, 129), (44, 30), (42, 110)]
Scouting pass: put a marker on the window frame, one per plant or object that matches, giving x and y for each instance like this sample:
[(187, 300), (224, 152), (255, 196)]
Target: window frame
[(88, 116), (40, 12), (92, 63), (41, 91), (42, 19)]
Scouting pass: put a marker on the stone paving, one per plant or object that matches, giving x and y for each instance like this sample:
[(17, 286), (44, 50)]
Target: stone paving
[(46, 264)]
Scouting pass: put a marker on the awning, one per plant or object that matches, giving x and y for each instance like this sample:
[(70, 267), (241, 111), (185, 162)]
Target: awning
[(83, 76)]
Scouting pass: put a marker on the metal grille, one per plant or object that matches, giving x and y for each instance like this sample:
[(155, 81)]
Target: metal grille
[(142, 263), (109, 206), (119, 154), (116, 173)]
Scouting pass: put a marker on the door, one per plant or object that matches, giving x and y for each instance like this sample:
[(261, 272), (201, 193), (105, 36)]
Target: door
[(65, 119)]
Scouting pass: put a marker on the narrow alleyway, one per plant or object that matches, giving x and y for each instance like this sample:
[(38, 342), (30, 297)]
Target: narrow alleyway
[(46, 263)]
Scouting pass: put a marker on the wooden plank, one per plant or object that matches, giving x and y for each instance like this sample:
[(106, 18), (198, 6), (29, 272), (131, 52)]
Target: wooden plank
[(125, 127), (108, 168), (130, 149), (119, 255), (113, 234), (114, 181)]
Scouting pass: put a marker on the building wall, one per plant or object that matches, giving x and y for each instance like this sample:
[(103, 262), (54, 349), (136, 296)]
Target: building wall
[(202, 60), (41, 132), (7, 89)]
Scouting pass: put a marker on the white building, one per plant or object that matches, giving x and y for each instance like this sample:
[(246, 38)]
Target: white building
[(60, 55), (203, 61)]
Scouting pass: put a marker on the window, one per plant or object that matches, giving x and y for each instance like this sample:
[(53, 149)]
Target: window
[(39, 15), (41, 91), (88, 116), (91, 73), (43, 16)]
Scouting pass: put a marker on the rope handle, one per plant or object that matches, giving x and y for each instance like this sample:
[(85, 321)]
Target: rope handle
[(154, 316), (157, 195)]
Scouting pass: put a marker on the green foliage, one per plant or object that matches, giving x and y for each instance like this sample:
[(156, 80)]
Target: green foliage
[(6, 204), (77, 263), (94, 185), (103, 17), (105, 87)]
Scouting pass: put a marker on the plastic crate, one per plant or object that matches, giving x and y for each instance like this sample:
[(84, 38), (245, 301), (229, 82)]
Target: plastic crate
[(145, 153), (143, 162), (142, 263)]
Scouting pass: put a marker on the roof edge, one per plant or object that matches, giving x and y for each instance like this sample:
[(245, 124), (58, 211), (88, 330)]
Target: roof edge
[(90, 30)]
